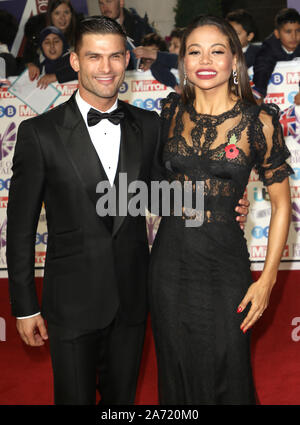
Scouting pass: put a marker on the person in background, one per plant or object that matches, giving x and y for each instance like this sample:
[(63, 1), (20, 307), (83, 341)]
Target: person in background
[(61, 14), (282, 45), (155, 43), (163, 62), (8, 30), (134, 25), (245, 27), (297, 97), (55, 65), (175, 40)]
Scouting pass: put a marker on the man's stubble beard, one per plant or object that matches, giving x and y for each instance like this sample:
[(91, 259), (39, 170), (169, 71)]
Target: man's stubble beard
[(101, 92)]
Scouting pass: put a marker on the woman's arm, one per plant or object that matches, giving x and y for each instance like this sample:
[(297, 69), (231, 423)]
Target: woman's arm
[(259, 292)]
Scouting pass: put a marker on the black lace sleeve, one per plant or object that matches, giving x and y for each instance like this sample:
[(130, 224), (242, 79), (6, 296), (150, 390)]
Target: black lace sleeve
[(270, 146)]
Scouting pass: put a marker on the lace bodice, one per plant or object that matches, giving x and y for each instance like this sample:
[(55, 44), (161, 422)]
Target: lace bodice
[(221, 150)]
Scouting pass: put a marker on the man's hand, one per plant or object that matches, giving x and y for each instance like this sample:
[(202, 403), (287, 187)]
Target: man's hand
[(32, 330), (46, 80), (243, 210), (33, 71)]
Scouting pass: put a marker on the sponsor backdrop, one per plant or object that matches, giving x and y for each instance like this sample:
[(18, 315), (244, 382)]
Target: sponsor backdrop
[(283, 86), (142, 90), (277, 334)]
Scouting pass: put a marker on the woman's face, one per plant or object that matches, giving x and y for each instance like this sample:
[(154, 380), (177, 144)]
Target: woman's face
[(208, 60), (52, 46), (61, 17), (174, 45)]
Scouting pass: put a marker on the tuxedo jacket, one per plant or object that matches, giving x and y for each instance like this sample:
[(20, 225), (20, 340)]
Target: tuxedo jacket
[(95, 266)]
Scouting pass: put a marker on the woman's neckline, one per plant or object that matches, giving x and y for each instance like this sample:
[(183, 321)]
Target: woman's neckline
[(235, 108)]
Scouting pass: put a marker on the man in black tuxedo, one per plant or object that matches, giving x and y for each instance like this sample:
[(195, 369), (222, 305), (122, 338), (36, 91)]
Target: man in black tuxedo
[(94, 291)]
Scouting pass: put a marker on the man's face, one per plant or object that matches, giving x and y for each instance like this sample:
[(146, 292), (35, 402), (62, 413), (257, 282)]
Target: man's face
[(111, 8), (101, 63), (289, 35)]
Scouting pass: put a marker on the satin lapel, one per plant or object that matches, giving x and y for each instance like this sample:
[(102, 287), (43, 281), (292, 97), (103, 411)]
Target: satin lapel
[(75, 137), (130, 157)]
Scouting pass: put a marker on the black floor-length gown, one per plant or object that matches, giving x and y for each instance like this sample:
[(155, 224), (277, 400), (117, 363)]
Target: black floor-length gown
[(199, 275)]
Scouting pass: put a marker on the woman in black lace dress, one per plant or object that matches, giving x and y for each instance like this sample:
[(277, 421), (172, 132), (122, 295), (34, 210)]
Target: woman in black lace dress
[(203, 300)]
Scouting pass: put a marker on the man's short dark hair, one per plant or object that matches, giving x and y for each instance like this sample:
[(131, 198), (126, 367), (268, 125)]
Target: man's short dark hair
[(244, 18), (97, 25), (286, 15)]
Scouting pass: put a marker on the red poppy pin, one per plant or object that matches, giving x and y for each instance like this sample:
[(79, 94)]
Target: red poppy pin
[(231, 150)]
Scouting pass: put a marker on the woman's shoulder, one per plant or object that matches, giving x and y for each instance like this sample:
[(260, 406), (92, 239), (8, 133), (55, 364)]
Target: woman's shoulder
[(169, 104), (170, 99), (269, 115), (264, 112)]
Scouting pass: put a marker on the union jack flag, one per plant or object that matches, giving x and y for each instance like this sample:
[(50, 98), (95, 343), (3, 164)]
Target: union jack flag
[(288, 121)]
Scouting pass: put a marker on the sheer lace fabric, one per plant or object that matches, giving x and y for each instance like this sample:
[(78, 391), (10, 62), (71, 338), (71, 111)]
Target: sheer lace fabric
[(221, 150)]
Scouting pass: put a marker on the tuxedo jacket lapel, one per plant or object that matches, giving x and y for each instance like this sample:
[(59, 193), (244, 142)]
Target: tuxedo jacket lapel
[(85, 160), (86, 163), (130, 157)]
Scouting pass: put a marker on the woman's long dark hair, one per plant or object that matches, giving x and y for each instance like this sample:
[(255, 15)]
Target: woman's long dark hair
[(70, 32), (243, 89)]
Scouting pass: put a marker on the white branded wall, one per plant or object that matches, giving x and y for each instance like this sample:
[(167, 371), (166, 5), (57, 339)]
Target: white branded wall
[(142, 90)]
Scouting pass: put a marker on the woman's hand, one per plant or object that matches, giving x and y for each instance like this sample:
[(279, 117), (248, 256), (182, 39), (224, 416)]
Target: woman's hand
[(144, 52), (33, 71), (258, 294), (46, 80)]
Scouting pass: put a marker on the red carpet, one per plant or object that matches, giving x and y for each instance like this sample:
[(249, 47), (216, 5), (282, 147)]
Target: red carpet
[(26, 372)]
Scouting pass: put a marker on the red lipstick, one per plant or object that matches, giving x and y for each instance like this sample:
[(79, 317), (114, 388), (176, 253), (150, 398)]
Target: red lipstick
[(206, 74)]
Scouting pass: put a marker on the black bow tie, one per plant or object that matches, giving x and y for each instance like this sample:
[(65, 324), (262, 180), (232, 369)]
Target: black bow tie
[(94, 116)]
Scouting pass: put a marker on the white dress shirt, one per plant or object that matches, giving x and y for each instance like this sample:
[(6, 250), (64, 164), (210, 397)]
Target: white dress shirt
[(105, 137)]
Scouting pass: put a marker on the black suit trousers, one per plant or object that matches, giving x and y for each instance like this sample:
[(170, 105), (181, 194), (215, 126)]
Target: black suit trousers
[(107, 359)]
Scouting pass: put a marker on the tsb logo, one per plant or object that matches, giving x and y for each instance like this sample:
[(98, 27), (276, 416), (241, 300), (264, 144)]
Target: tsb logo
[(291, 96), (9, 111), (41, 238), (148, 104), (123, 88), (4, 184), (259, 232), (276, 78), (295, 176)]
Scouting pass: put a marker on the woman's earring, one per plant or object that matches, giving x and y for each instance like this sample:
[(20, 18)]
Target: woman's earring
[(185, 79), (235, 80)]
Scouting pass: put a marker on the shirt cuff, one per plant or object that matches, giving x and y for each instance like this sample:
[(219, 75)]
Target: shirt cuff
[(27, 317)]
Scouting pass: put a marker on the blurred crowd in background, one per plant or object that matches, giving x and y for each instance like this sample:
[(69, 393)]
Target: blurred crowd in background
[(49, 40)]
